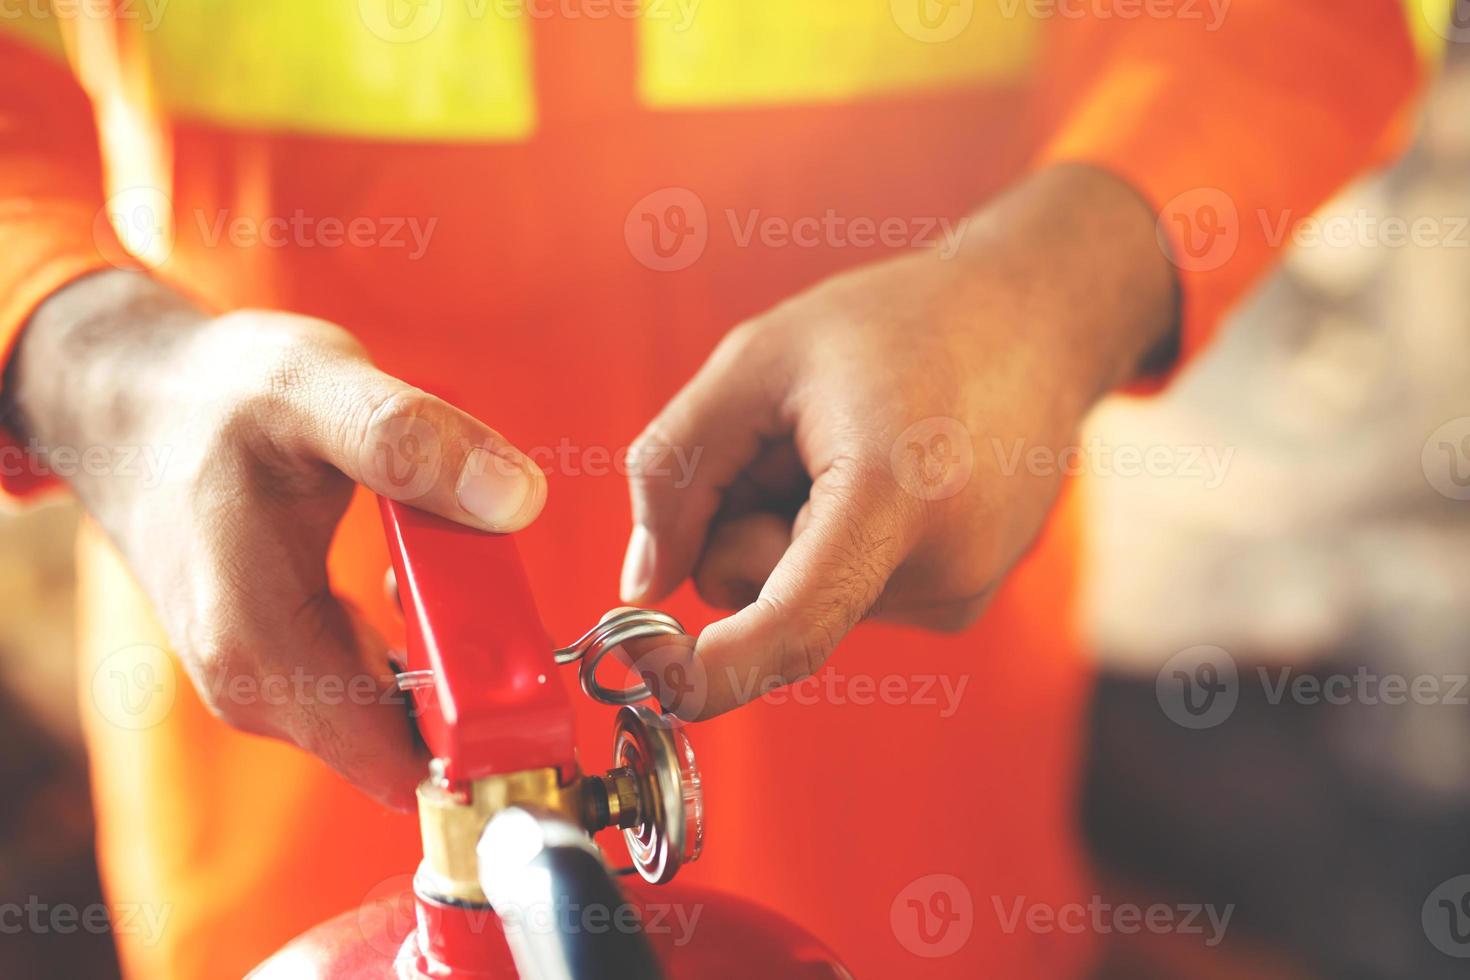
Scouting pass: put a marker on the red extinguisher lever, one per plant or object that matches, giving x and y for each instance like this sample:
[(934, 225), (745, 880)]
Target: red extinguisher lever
[(493, 703)]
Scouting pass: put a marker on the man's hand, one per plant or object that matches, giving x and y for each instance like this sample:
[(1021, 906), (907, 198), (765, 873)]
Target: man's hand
[(858, 443), (266, 420)]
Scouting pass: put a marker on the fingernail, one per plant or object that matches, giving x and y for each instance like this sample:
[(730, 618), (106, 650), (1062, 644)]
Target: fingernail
[(493, 488), (637, 565)]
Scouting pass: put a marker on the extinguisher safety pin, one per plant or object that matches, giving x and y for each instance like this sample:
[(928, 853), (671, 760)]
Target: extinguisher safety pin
[(413, 680), (614, 629)]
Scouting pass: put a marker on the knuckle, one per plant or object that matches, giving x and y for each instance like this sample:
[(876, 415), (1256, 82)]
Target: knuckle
[(272, 376), (651, 436), (280, 358), (401, 403), (803, 647), (853, 574), (862, 471), (329, 338), (273, 352), (746, 348), (647, 454), (805, 651), (266, 331), (381, 416), (401, 439), (740, 341), (286, 371)]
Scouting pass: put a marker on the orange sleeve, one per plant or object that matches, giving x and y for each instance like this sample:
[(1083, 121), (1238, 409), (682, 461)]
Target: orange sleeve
[(52, 225), (1232, 119)]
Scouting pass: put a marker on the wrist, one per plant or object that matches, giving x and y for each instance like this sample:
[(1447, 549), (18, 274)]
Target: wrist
[(92, 364), (1079, 247)]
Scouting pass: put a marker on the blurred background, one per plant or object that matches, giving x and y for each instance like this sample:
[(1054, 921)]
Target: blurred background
[(1332, 542), (1329, 546)]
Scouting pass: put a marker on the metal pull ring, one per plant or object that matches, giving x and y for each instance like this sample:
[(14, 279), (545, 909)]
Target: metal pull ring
[(616, 628)]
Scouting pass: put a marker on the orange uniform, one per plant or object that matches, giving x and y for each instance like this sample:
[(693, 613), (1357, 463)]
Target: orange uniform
[(551, 211)]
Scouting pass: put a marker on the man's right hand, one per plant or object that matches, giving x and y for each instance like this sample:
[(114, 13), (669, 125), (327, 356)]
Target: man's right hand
[(265, 420)]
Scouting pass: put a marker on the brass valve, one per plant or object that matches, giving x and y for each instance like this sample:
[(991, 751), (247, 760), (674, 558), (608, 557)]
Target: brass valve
[(612, 799), (653, 794)]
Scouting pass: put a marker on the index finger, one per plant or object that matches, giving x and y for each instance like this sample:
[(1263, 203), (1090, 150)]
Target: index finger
[(857, 532)]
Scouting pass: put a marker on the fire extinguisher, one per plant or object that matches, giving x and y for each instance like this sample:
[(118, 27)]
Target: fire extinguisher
[(512, 884)]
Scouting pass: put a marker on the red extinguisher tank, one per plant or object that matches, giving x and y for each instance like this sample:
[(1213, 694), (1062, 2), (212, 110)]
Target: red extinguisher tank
[(512, 886), (694, 933)]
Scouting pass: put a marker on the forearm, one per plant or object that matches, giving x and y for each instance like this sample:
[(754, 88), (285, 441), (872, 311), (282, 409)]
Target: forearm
[(1208, 124), (93, 363)]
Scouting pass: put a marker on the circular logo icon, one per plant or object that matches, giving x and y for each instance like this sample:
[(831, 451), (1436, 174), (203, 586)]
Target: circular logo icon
[(401, 458), (141, 218), (667, 230), (1446, 459), (401, 21), (1446, 917), (386, 915), (933, 458), (1450, 19), (672, 671), (933, 916), (133, 688), (1198, 687), (932, 21), (1199, 230)]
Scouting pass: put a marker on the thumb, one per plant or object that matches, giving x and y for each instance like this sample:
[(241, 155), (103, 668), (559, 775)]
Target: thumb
[(407, 445), (855, 531)]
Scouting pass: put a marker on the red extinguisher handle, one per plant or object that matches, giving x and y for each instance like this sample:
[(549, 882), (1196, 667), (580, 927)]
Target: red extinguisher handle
[(495, 704)]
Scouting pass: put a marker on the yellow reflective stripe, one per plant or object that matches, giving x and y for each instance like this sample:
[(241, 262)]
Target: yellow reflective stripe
[(32, 25), (404, 69), (1432, 24), (722, 52)]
